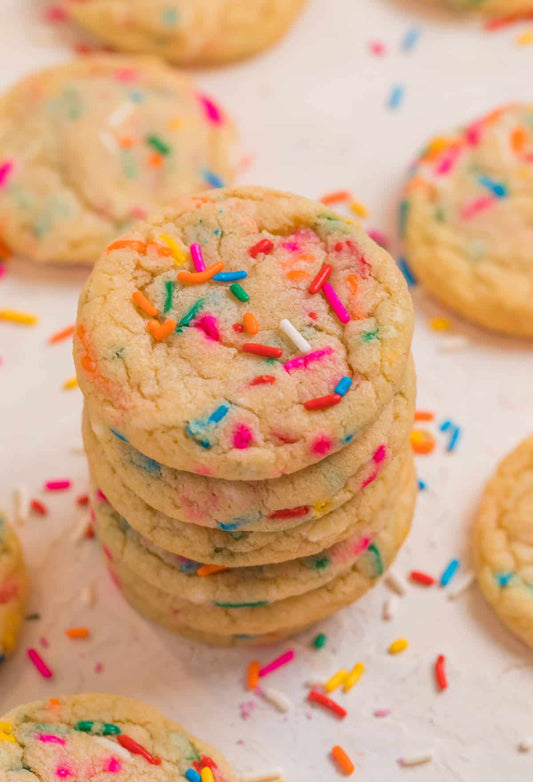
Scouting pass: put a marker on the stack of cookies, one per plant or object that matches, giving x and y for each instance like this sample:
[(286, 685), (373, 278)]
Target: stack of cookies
[(249, 391)]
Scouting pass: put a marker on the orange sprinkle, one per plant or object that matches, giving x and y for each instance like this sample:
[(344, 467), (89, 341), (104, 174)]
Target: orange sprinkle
[(208, 570), (422, 441), (161, 330), (128, 244), (519, 138), (343, 760), (5, 252), (353, 282), (195, 278), (336, 197), (142, 302), (252, 678), (424, 415), (155, 160), (59, 336), (77, 632), (160, 249), (53, 703), (297, 275), (126, 142), (250, 323)]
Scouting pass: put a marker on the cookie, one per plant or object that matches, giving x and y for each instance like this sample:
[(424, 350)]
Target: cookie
[(500, 7), (262, 505), (14, 587), (202, 373), (187, 31), (91, 146), (466, 220), (241, 548), (104, 737), (503, 541), (225, 624)]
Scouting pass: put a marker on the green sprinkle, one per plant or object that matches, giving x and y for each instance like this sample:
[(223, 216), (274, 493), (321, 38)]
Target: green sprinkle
[(321, 563), (239, 292), (169, 285), (186, 320), (257, 604), (368, 336), (97, 728), (158, 144), (320, 641), (379, 562)]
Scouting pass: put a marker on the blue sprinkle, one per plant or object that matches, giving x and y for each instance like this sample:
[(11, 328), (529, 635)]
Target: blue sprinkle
[(422, 485), (406, 271), (343, 385), (454, 439), (348, 438), (218, 415), (192, 776), (496, 188), (230, 276), (211, 178), (445, 426), (449, 572), (503, 578), (396, 96), (120, 436), (411, 39)]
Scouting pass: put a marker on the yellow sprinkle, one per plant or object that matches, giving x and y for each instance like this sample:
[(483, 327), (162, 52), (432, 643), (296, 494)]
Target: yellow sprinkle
[(525, 38), (400, 645), (440, 324), (7, 737), (354, 676), (25, 318), (358, 208), (6, 727), (6, 732), (72, 382), (438, 144), (336, 680), (207, 775), (175, 123), (321, 507), (177, 253)]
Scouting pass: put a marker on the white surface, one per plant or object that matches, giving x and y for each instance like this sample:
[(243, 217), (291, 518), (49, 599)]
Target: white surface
[(313, 113)]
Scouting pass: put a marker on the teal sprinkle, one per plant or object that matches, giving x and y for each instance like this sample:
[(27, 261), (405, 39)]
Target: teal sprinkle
[(119, 436), (239, 292), (145, 463), (73, 103), (368, 336), (211, 178), (503, 578), (320, 641), (218, 415), (257, 604), (158, 144), (348, 438), (136, 96), (191, 314), (170, 16), (497, 188), (379, 562), (169, 285)]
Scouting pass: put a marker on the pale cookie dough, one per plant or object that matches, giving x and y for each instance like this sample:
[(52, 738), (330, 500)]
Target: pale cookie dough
[(14, 589), (262, 505), (503, 541), (226, 624), (187, 31), (240, 548), (195, 398), (107, 738), (466, 218), (91, 146)]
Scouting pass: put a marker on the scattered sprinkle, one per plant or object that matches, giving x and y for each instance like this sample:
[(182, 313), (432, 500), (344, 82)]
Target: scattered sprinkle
[(440, 672), (323, 402), (70, 383), (353, 677), (58, 485), (526, 745), (422, 441), (197, 257), (230, 276), (389, 608), (276, 698), (262, 350), (449, 572), (320, 278), (335, 197), (407, 273), (398, 646), (396, 96), (411, 39), (382, 712), (416, 760), (461, 586), (192, 776), (88, 595), (39, 507), (294, 335), (283, 659), (454, 432), (335, 303), (177, 253), (16, 316), (136, 749), (452, 344), (263, 776), (396, 582), (21, 502), (144, 304), (77, 633), (440, 324), (340, 757), (336, 680), (424, 579), (359, 209), (59, 336), (424, 415), (322, 700), (343, 385), (525, 38), (197, 278), (160, 331), (39, 663), (252, 675), (320, 641), (239, 292), (250, 323), (263, 247), (158, 144)]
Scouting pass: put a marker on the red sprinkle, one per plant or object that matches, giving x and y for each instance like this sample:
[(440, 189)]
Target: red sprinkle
[(290, 513), (321, 402), (260, 380), (421, 578), (83, 499), (262, 350), (440, 672), (39, 507), (320, 278), (238, 327), (328, 703), (265, 247), (136, 749), (205, 762)]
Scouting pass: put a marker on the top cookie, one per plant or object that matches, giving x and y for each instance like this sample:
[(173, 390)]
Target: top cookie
[(187, 31), (13, 588), (89, 147), (203, 373), (104, 737), (467, 220)]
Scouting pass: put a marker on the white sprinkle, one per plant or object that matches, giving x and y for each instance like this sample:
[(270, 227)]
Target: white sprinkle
[(120, 114), (526, 745), (451, 344), (416, 760), (114, 746), (78, 534), (88, 595), (276, 698), (389, 608), (396, 582), (98, 430), (294, 335), (108, 141), (22, 504), (461, 586), (263, 776)]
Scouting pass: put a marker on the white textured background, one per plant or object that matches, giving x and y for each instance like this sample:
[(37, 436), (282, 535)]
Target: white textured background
[(313, 114)]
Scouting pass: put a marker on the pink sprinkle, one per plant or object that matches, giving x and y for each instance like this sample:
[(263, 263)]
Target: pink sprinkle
[(292, 247), (48, 738), (473, 134), (63, 772), (114, 765), (362, 545), (44, 642), (57, 485), (380, 454), (381, 712), (138, 213), (3, 270), (197, 257), (99, 667), (448, 162), (335, 303), (283, 659), (127, 74), (369, 480), (101, 496), (474, 207), (212, 111), (108, 554), (322, 445), (378, 48), (54, 13), (39, 663), (242, 437), (208, 324), (308, 358), (6, 169), (379, 238)]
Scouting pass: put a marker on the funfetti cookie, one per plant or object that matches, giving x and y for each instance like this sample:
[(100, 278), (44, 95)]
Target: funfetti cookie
[(104, 737), (242, 334), (91, 146), (503, 541), (466, 220), (13, 589), (186, 31), (495, 7)]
